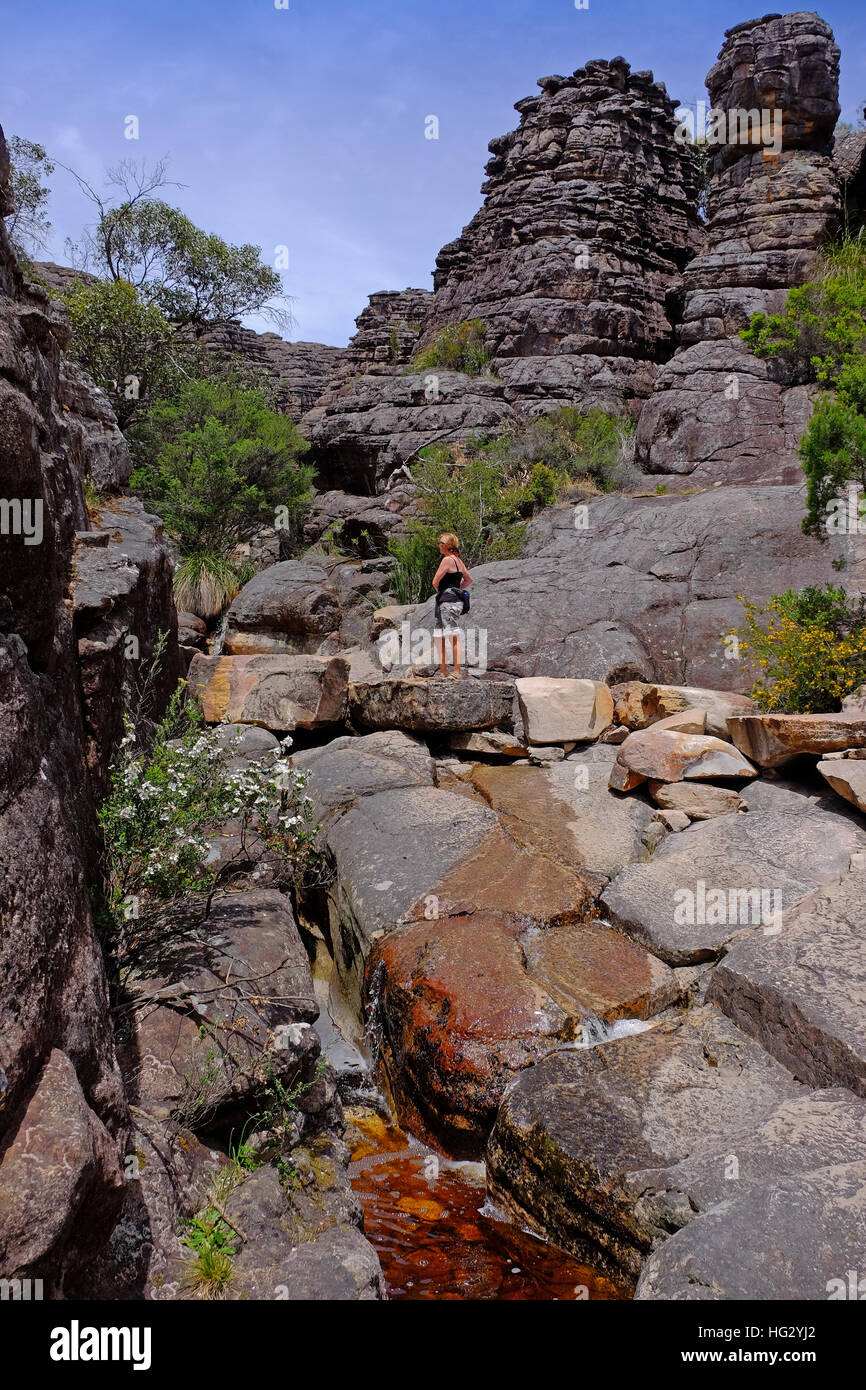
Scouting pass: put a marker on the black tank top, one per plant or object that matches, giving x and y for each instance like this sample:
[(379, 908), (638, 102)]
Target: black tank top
[(450, 580)]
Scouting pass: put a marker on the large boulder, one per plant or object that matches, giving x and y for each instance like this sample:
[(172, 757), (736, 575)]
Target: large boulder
[(289, 607), (638, 705), (431, 706), (573, 1129), (731, 876), (668, 755), (563, 711), (278, 692), (718, 412), (217, 1012), (470, 1000), (847, 776), (122, 600), (791, 1238), (803, 994), (775, 739)]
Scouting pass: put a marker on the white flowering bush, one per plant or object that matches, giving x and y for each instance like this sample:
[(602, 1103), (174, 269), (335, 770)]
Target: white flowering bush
[(166, 796)]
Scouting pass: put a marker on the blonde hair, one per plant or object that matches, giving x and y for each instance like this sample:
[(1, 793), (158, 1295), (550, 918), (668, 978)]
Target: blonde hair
[(450, 541)]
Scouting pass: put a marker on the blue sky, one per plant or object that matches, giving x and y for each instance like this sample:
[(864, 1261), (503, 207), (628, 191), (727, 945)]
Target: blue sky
[(304, 126)]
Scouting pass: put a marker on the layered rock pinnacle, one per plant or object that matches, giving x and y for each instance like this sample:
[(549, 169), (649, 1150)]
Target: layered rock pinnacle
[(717, 411), (589, 217)]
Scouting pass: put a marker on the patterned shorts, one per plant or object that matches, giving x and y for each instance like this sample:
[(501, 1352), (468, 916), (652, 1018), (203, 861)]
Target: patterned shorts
[(450, 619)]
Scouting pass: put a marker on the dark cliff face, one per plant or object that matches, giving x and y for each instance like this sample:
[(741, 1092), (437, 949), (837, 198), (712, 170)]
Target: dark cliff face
[(63, 1112), (62, 1107)]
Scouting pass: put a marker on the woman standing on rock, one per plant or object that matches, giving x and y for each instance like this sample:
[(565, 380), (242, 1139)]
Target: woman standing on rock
[(449, 582)]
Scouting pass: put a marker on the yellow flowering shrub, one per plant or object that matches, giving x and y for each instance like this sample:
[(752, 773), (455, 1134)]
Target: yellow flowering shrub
[(807, 649)]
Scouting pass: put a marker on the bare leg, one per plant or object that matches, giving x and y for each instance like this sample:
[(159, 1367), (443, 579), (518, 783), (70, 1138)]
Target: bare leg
[(455, 652), (439, 652)]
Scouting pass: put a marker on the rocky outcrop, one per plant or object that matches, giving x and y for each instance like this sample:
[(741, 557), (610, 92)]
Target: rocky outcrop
[(122, 601), (717, 411), (588, 220), (733, 874), (388, 330), (849, 156), (572, 263), (299, 372), (573, 1130), (277, 692), (641, 587), (63, 1112), (378, 424)]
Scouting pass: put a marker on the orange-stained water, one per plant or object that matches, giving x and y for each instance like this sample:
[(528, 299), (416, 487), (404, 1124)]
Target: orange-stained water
[(422, 1215)]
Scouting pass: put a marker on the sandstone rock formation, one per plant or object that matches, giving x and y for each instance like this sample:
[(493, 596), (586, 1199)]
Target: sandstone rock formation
[(647, 590), (573, 263), (61, 1088), (300, 372), (717, 412), (588, 220)]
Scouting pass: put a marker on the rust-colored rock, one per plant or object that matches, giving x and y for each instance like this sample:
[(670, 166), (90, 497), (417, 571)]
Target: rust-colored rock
[(774, 739), (276, 692), (472, 1000)]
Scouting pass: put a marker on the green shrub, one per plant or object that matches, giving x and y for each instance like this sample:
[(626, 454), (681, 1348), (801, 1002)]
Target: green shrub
[(833, 453), (124, 344), (824, 322), (578, 445), (808, 649), (217, 464), (459, 347), (168, 789)]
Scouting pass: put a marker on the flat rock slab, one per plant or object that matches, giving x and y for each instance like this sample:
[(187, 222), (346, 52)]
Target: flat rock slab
[(278, 692), (816, 1130), (571, 1129), (563, 711), (431, 706), (847, 777), (775, 739), (803, 993), (729, 876), (790, 1238), (347, 769), (488, 742), (471, 1000), (669, 755), (567, 812)]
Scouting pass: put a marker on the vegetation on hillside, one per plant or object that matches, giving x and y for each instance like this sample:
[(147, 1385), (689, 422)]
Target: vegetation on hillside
[(217, 464), (486, 489), (459, 347), (821, 338)]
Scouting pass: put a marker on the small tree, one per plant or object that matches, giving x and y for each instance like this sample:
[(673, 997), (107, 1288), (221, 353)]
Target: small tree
[(216, 463), (28, 224), (124, 344), (191, 276)]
